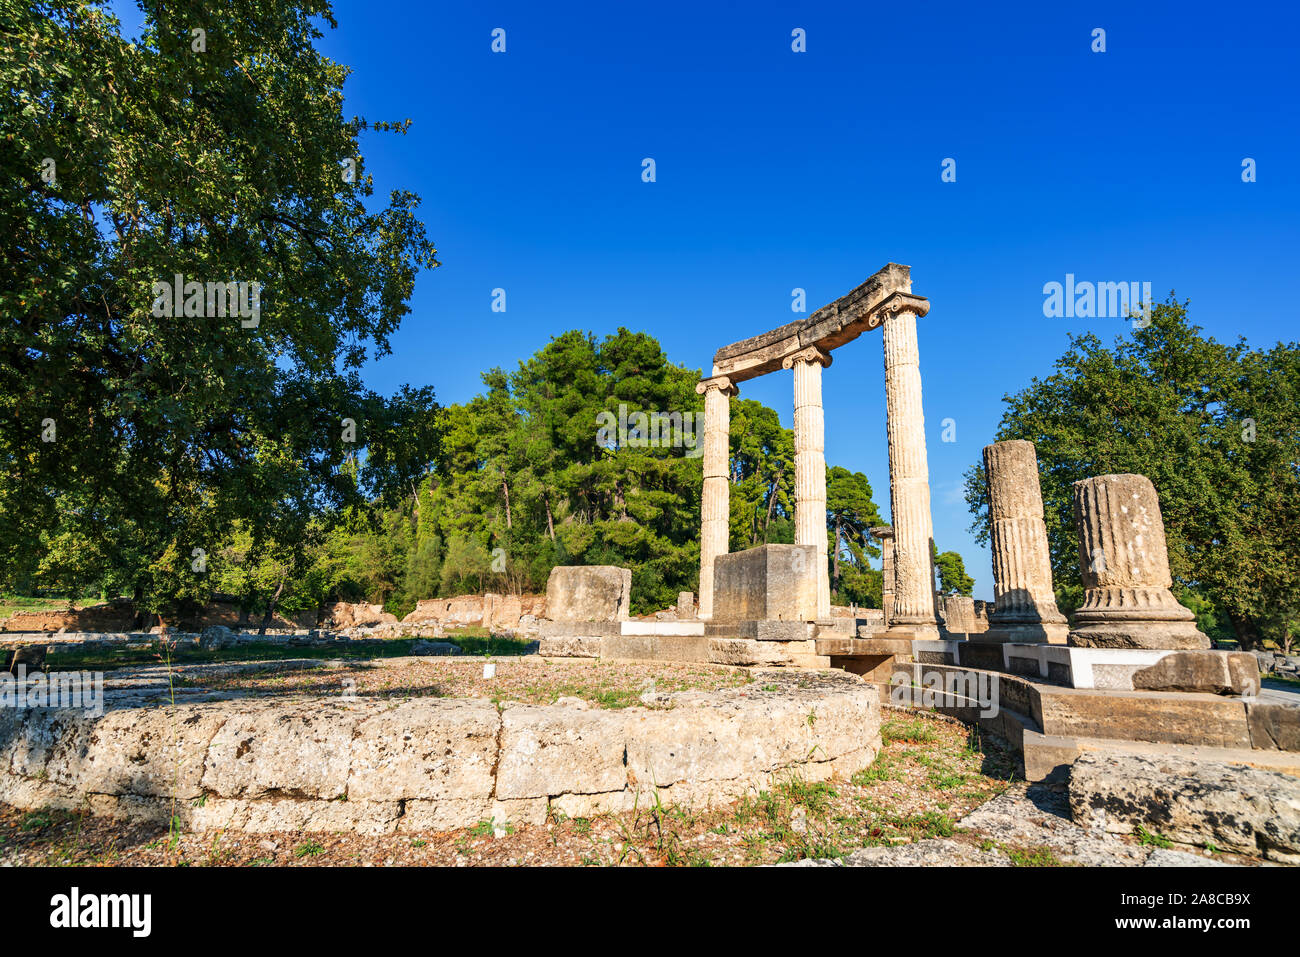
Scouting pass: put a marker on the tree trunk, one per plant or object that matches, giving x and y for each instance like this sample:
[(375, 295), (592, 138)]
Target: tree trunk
[(550, 524), (270, 609), (506, 488), (1247, 631)]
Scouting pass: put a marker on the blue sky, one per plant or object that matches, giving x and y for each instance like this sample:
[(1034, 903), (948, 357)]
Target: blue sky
[(778, 170)]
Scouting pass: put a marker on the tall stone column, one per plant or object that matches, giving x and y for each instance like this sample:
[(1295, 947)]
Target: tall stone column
[(909, 470), (810, 463), (1024, 604), (715, 502), (885, 535), (1125, 566)]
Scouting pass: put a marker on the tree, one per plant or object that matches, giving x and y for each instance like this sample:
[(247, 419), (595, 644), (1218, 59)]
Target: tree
[(135, 436), (953, 579), (850, 514), (1217, 430)]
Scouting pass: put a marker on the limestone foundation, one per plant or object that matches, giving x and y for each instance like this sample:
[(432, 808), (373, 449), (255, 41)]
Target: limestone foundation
[(1024, 604), (1125, 567), (810, 464), (909, 471), (715, 503)]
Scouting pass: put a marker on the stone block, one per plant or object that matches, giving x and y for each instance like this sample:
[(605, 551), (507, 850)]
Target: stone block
[(777, 582), (1215, 672), (1170, 717), (552, 750), (1274, 727), (588, 593), (1240, 809), (426, 749), (570, 646)]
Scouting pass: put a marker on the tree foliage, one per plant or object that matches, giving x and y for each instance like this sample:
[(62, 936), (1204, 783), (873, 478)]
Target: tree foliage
[(136, 447), (1215, 427)]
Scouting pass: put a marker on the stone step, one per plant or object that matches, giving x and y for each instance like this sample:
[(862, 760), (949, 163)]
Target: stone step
[(1048, 755), (666, 628)]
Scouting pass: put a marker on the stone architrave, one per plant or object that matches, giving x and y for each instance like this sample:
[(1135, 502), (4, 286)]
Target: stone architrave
[(909, 471), (885, 535), (715, 502), (1125, 566), (1024, 604), (810, 464)]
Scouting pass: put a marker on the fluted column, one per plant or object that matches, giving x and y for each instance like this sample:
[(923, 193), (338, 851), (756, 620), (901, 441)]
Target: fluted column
[(909, 470), (1125, 566), (715, 502), (810, 463), (1024, 603)]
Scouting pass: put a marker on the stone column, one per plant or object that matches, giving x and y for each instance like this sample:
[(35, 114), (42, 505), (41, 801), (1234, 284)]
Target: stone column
[(885, 535), (1125, 566), (810, 463), (1024, 604), (715, 502), (909, 470)]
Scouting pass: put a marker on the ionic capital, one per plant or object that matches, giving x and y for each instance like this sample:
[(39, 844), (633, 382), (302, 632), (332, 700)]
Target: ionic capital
[(719, 382), (810, 354), (894, 304)]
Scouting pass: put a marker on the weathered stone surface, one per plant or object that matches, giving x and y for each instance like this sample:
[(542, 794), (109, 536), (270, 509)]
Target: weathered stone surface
[(685, 606), (777, 582), (655, 648), (297, 750), (374, 766), (416, 751), (715, 510), (909, 470), (1125, 566), (1274, 727), (747, 651), (1239, 809), (1215, 672), (810, 463), (1025, 606), (150, 751), (570, 646), (588, 593), (548, 751), (1171, 717)]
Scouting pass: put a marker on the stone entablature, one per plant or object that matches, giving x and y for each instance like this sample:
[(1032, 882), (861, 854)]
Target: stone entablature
[(803, 347)]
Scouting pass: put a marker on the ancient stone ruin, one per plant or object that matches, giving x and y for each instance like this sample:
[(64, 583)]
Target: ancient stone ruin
[(1129, 695)]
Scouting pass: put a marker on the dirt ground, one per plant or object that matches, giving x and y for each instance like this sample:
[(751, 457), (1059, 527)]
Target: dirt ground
[(929, 775)]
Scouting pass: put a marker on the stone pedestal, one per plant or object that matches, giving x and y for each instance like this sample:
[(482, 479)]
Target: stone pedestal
[(1025, 606), (715, 502), (1125, 566), (767, 583), (810, 464), (909, 471)]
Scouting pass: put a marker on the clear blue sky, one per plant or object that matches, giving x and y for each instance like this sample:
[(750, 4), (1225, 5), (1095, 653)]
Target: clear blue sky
[(778, 169)]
